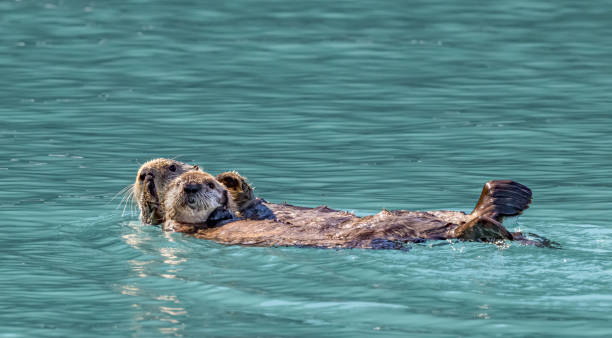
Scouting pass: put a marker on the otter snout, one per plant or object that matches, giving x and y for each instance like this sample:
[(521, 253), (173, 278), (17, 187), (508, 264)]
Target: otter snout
[(148, 180), (144, 174), (192, 188)]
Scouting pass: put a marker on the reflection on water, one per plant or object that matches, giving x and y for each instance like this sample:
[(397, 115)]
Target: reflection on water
[(129, 290), (169, 314), (170, 255), (139, 267), (356, 105)]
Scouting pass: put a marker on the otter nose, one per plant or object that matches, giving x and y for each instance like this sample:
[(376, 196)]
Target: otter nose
[(146, 174), (192, 188)]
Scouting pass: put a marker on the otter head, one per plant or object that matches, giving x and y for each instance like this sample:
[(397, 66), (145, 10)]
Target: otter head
[(151, 183), (195, 198)]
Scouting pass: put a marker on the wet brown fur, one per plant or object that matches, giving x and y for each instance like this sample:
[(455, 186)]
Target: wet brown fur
[(150, 186), (324, 227), (212, 195), (240, 190)]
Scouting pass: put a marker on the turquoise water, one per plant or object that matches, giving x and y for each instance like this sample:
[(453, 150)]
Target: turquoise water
[(356, 105)]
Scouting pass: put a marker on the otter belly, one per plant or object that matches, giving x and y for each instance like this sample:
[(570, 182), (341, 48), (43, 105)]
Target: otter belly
[(269, 224), (324, 227)]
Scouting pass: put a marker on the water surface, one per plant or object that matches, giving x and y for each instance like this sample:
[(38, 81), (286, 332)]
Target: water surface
[(356, 105)]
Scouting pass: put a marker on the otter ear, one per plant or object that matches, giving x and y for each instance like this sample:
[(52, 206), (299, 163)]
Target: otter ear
[(196, 167)]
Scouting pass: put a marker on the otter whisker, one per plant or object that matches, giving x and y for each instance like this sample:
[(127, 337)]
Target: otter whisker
[(121, 204), (128, 199), (134, 203), (127, 196), (204, 205), (123, 211), (131, 202), (127, 202), (206, 198), (127, 187), (203, 199), (125, 205), (123, 191)]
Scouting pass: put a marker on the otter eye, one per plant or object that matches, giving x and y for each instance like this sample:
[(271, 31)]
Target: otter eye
[(172, 168), (211, 185), (142, 176)]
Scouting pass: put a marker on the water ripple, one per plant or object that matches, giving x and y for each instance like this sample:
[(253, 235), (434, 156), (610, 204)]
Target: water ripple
[(356, 105)]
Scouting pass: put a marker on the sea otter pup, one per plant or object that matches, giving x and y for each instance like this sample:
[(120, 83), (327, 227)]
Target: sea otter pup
[(191, 200), (209, 215)]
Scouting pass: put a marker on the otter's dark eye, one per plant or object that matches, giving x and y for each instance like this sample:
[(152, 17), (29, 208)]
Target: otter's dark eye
[(142, 176), (211, 185), (172, 168)]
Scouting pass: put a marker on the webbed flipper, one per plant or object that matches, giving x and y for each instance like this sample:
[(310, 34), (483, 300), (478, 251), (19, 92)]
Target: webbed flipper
[(499, 199)]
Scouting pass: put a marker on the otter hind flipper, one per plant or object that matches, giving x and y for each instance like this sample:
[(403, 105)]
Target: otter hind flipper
[(502, 198), (499, 198)]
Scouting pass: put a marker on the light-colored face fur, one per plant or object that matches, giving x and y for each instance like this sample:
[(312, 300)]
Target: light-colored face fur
[(193, 196), (151, 184)]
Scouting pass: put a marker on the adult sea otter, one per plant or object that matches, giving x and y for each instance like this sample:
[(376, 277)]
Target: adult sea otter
[(197, 203)]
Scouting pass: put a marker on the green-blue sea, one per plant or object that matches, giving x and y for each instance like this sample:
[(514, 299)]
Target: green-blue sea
[(357, 105)]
